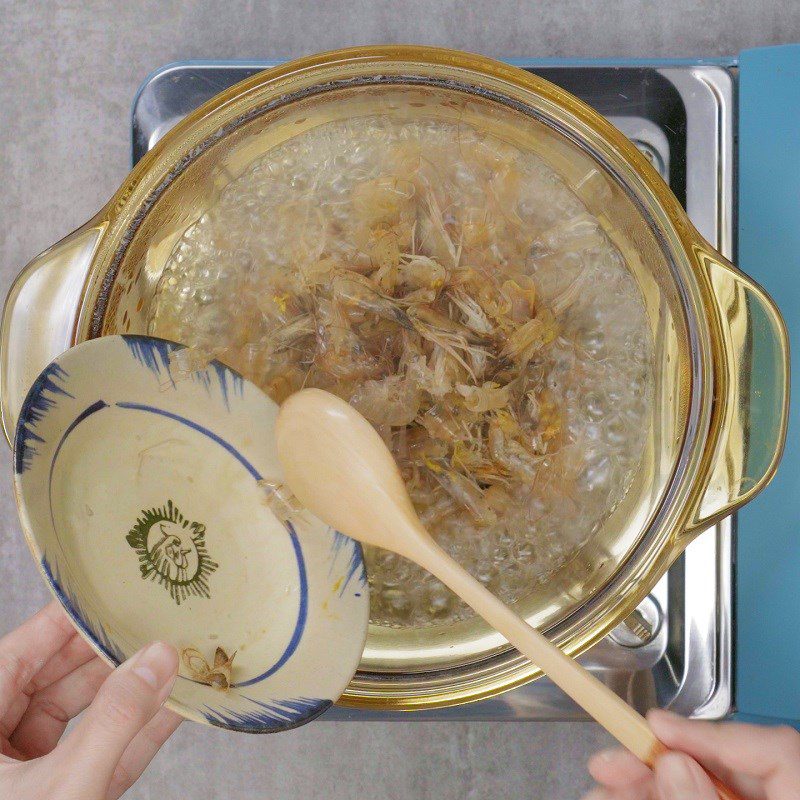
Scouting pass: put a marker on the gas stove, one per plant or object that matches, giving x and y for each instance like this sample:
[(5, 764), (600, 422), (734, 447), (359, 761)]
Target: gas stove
[(676, 650)]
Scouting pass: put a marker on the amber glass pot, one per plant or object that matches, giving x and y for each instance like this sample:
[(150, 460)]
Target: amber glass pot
[(719, 417)]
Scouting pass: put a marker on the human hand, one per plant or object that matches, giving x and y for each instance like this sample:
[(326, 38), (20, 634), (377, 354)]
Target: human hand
[(48, 675), (760, 763)]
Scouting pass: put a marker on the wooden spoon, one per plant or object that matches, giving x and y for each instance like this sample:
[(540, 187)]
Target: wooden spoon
[(339, 468)]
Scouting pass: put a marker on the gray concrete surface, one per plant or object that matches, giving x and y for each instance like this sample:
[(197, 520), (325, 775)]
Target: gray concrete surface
[(69, 71)]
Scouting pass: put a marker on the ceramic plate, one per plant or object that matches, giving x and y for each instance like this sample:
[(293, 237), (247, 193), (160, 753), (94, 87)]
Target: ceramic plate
[(145, 494)]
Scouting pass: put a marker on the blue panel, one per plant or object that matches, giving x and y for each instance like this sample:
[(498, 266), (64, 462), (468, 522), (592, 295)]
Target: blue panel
[(768, 550)]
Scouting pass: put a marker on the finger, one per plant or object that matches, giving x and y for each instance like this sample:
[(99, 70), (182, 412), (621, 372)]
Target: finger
[(13, 715), (75, 653), (8, 752), (680, 777), (49, 711), (24, 651), (126, 702), (141, 751), (618, 769), (754, 750), (72, 655)]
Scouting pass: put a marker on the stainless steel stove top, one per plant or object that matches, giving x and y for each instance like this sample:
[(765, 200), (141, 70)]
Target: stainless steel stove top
[(676, 650)]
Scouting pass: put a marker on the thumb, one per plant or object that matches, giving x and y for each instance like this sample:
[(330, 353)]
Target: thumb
[(754, 750), (125, 703), (679, 777), (740, 754)]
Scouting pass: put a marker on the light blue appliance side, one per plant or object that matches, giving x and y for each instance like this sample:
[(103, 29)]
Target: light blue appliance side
[(768, 547)]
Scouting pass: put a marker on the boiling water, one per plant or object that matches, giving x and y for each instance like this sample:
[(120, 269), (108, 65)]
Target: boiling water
[(396, 264)]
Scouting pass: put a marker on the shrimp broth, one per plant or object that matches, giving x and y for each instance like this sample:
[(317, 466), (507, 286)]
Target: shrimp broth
[(453, 287)]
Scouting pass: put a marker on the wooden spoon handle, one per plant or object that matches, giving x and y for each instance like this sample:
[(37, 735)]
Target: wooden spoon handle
[(623, 722)]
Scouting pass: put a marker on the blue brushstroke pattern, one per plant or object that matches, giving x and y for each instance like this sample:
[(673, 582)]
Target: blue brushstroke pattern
[(203, 376), (95, 632), (154, 354), (223, 373), (151, 353), (355, 563), (237, 382), (280, 715), (42, 398)]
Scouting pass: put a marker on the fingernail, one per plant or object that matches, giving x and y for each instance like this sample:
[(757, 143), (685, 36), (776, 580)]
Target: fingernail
[(604, 756), (156, 664), (678, 774)]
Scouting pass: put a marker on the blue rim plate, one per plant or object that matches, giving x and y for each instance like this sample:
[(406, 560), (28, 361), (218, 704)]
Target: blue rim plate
[(151, 499)]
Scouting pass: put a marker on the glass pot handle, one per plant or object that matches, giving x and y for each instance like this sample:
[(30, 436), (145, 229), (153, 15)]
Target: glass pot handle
[(39, 316), (752, 412)]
